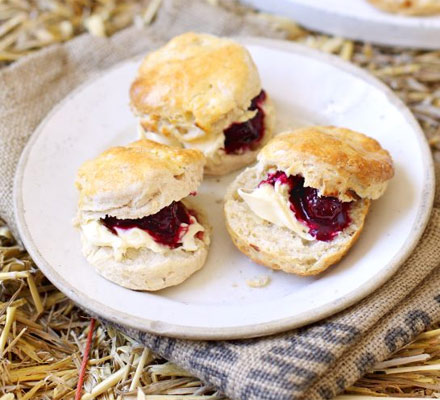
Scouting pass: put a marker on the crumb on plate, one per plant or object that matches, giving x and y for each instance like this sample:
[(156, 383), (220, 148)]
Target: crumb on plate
[(259, 281)]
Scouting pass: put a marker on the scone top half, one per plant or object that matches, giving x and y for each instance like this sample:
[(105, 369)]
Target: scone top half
[(137, 180), (138, 227), (304, 203), (201, 91), (338, 162)]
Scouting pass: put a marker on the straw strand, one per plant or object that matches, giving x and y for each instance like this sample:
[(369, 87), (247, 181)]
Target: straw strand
[(85, 360)]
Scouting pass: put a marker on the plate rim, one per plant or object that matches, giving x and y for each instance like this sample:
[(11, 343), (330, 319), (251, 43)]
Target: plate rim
[(306, 13), (253, 330), (392, 18)]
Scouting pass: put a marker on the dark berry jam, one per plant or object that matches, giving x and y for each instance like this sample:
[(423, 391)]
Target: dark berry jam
[(165, 226), (324, 216), (242, 136)]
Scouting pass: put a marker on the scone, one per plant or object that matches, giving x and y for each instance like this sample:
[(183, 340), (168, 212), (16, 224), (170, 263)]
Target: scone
[(409, 7), (204, 92), (303, 205), (138, 227)]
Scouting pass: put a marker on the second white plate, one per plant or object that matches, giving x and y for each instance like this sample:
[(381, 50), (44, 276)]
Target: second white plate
[(358, 19), (216, 303)]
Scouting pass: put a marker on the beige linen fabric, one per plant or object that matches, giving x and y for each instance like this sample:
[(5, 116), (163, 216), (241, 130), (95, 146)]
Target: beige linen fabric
[(315, 362)]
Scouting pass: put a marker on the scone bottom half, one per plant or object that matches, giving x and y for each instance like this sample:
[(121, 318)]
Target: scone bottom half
[(204, 92), (139, 227), (277, 218)]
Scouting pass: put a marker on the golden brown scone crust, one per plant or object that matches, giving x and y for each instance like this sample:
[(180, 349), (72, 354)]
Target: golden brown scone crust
[(338, 162), (408, 7), (195, 78), (138, 179)]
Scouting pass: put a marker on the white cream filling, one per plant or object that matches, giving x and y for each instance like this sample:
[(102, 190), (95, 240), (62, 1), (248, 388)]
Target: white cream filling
[(157, 137), (98, 234), (194, 137), (271, 203), (208, 147)]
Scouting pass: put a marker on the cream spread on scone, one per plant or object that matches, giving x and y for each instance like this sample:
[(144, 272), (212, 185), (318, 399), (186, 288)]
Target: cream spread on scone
[(271, 203), (209, 148), (190, 136), (99, 235), (156, 137)]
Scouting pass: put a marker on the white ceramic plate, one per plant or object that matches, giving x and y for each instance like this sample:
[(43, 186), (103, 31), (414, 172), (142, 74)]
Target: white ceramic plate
[(307, 87), (357, 19)]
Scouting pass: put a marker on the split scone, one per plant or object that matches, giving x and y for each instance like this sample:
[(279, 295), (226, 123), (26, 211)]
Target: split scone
[(303, 205), (138, 227), (204, 92), (409, 7)]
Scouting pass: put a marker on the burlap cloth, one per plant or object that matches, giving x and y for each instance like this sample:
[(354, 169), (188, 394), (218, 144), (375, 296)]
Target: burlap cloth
[(316, 362)]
